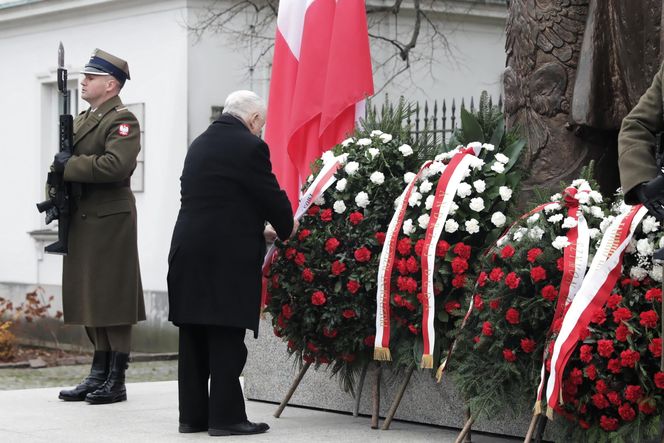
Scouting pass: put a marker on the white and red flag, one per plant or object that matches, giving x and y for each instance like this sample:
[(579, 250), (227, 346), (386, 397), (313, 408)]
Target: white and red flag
[(321, 75)]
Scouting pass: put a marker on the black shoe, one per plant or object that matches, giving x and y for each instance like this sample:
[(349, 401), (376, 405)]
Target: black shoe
[(98, 375), (190, 429), (113, 389), (244, 428)]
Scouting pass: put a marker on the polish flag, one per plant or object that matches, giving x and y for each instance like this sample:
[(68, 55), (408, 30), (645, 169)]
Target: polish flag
[(320, 72)]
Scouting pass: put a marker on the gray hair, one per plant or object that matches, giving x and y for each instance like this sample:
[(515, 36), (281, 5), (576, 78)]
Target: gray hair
[(243, 103)]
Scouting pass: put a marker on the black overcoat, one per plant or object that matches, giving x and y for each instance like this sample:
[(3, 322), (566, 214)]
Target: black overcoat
[(228, 191)]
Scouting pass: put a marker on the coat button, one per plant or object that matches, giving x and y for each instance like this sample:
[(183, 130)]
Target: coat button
[(84, 216)]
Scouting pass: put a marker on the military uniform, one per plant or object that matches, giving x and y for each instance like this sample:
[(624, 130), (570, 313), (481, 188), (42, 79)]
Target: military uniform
[(101, 281), (637, 139)]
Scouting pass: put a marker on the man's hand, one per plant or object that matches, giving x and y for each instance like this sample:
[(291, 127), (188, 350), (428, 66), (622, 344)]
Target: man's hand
[(60, 160), (651, 194), (269, 233), (296, 226)]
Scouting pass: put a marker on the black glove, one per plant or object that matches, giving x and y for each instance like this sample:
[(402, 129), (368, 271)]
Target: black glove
[(60, 160), (651, 194)]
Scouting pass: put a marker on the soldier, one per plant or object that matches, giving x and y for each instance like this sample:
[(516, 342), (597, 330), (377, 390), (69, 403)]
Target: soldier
[(101, 281), (641, 180)]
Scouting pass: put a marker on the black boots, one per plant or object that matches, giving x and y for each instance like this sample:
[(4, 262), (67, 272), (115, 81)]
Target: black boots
[(113, 389), (98, 375)]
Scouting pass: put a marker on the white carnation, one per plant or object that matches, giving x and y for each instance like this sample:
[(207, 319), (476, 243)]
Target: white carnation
[(604, 224), (310, 178), (657, 273), (593, 232), (414, 199), (583, 197), (580, 183), (569, 222), (373, 152), (343, 158), (405, 150), (644, 247), (341, 184), (476, 163), (428, 204), (472, 145), (555, 218), (451, 226), (551, 207), (408, 177), (518, 235), (596, 212), (533, 218), (423, 221), (556, 197), (501, 241), (498, 219), (464, 190), (661, 243), (498, 167), (536, 233), (347, 142), (502, 158), (488, 146), (377, 178), (436, 168), (408, 227), (376, 133), (351, 168), (560, 242), (596, 196), (426, 186), (320, 200), (480, 185), (649, 224), (638, 273), (453, 208), (386, 138), (339, 207), (476, 204), (505, 193), (327, 157), (363, 142), (472, 226), (362, 199)]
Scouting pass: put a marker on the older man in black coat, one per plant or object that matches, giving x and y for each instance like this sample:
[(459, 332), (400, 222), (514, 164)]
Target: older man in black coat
[(214, 277)]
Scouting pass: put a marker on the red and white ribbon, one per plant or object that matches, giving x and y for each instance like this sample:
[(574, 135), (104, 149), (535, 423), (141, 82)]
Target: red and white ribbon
[(604, 271), (323, 180), (385, 265), (445, 192)]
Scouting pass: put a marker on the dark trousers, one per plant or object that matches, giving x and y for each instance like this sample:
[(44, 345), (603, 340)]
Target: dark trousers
[(216, 353)]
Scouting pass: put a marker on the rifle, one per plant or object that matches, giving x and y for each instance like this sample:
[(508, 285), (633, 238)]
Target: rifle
[(57, 207)]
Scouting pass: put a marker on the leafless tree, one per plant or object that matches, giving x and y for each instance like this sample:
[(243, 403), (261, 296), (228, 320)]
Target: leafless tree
[(410, 30)]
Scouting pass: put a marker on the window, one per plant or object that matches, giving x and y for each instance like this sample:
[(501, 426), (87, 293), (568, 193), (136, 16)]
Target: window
[(138, 178)]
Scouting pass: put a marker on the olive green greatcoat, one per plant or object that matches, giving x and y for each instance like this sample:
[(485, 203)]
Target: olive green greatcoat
[(101, 281), (636, 142)]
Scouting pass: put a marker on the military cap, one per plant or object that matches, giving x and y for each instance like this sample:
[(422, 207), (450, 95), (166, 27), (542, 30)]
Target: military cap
[(103, 63)]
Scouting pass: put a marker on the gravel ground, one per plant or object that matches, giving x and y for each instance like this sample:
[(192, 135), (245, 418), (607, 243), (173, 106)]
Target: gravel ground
[(26, 378)]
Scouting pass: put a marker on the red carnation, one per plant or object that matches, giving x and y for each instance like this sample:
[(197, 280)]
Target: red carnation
[(481, 279), (560, 264), (654, 295), (303, 234), (598, 317), (352, 286), (318, 298), (586, 353), (608, 424), (576, 376), (287, 311), (441, 248), (412, 265), (626, 412), (313, 210), (647, 407), (628, 358), (494, 304), (413, 329), (278, 332), (487, 329), (281, 321), (290, 253), (533, 254), (507, 252), (621, 314), (338, 267), (538, 273), (613, 301), (549, 292), (398, 300), (648, 319), (656, 347), (512, 281), (307, 275), (355, 217), (600, 386), (459, 265), (459, 281), (402, 267), (528, 345), (452, 306), (326, 215), (300, 259), (312, 347), (462, 250), (403, 246), (408, 305), (478, 303), (613, 397), (633, 393), (331, 245), (362, 255), (614, 366), (591, 372), (408, 284), (605, 348), (512, 316), (330, 333), (659, 380), (509, 355), (418, 247), (496, 274), (622, 332), (349, 313), (380, 237)]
